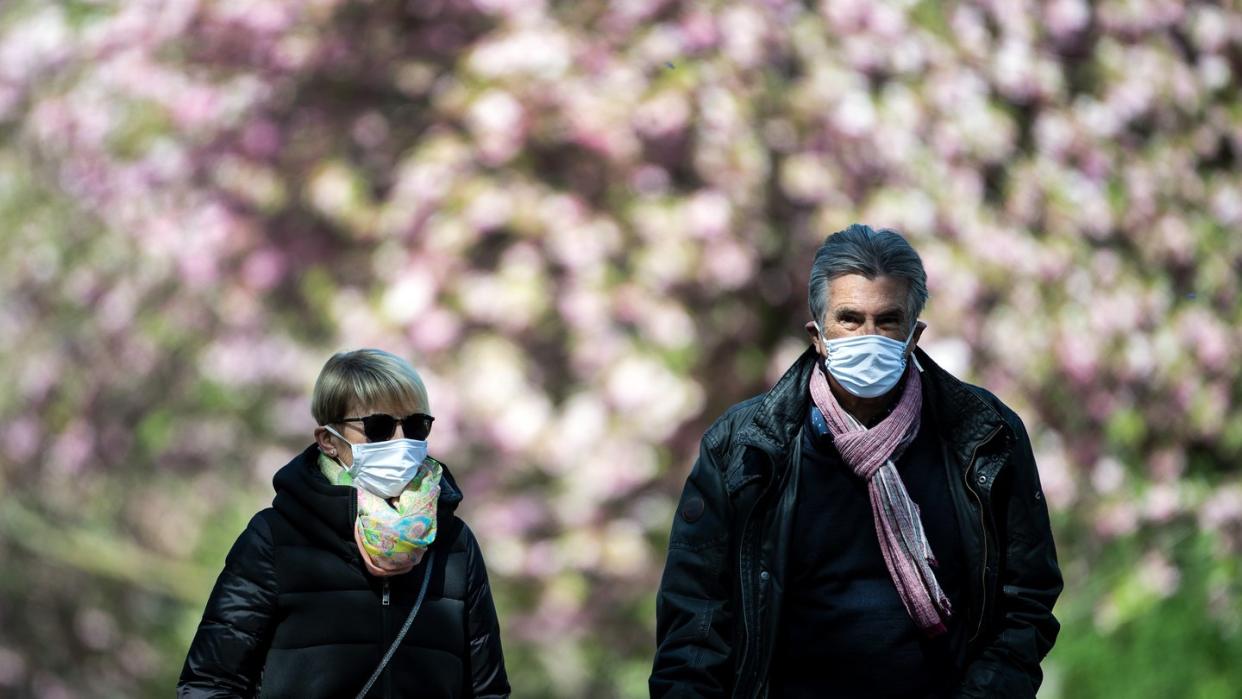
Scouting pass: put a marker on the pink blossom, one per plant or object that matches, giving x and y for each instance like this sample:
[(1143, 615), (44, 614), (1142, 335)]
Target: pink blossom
[(1065, 17), (261, 138), (516, 516), (649, 180), (196, 106), (742, 29), (264, 17), (709, 214), (96, 628), (1108, 475), (728, 264), (12, 667), (496, 120), (1077, 355), (1158, 574), (264, 269), (698, 30), (1210, 27), (848, 15), (72, 450), (1116, 520), (1222, 508), (1167, 464), (22, 438), (541, 560), (662, 115), (41, 39), (544, 54), (1161, 503), (583, 308), (40, 373), (1055, 474), (1208, 339)]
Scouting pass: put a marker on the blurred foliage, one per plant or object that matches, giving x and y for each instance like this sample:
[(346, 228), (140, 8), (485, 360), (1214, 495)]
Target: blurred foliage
[(590, 224)]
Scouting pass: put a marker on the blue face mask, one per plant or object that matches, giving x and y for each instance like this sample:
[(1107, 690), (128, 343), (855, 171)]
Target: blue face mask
[(867, 366)]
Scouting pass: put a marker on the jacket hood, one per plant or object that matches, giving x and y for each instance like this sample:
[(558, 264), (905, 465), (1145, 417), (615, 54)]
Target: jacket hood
[(963, 416), (327, 512)]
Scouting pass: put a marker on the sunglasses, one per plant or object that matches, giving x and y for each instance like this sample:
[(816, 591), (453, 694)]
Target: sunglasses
[(380, 427)]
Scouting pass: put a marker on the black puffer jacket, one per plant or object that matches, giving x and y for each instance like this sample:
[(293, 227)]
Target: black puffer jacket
[(721, 594), (295, 614)]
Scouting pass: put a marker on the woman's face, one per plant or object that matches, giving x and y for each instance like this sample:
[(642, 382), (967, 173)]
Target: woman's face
[(352, 431)]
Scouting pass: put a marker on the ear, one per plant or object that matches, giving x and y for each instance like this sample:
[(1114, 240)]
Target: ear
[(814, 334), (324, 439)]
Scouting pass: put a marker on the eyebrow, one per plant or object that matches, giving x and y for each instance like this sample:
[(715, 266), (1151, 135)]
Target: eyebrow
[(850, 310)]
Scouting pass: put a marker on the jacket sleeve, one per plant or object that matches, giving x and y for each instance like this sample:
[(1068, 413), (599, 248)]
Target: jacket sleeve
[(228, 652), (1030, 582), (694, 608), (487, 679)]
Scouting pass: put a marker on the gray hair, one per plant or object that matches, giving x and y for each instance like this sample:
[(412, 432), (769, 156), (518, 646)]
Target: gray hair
[(366, 378), (863, 250)]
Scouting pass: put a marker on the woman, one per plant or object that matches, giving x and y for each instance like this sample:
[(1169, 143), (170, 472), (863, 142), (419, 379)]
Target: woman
[(359, 580)]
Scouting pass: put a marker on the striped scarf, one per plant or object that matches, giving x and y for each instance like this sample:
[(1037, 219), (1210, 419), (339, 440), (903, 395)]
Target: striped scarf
[(871, 453)]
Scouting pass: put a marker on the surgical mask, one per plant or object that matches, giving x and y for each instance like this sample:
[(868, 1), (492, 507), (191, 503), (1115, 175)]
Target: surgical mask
[(867, 366), (385, 468)]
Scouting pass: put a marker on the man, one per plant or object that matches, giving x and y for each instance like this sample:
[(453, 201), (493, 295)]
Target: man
[(871, 526)]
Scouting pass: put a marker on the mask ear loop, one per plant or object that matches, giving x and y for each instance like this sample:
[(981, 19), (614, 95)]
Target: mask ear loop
[(337, 459)]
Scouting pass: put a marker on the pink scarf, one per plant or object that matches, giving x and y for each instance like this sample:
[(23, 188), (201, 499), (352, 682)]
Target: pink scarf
[(871, 453)]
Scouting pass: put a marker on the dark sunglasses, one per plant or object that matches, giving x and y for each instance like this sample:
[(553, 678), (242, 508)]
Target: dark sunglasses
[(380, 427)]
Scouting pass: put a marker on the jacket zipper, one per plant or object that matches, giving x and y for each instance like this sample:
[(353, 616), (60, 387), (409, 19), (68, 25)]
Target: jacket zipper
[(745, 626), (745, 655), (741, 554), (983, 573), (385, 602)]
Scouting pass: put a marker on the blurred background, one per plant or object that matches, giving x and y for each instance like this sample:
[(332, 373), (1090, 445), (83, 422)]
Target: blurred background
[(589, 224)]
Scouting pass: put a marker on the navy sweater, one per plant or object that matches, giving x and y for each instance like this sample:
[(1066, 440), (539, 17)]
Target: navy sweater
[(843, 630)]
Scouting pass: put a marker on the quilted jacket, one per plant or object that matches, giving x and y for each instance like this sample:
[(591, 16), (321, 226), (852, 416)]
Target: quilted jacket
[(295, 613)]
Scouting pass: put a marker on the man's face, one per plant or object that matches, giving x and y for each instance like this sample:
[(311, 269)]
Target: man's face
[(861, 306)]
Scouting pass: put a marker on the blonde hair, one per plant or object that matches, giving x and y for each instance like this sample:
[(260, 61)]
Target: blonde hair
[(366, 377)]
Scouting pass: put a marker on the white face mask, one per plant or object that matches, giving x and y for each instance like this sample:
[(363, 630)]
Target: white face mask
[(866, 365), (385, 468)]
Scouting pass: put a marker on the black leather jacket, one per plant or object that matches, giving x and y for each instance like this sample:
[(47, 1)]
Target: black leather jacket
[(295, 613), (720, 596)]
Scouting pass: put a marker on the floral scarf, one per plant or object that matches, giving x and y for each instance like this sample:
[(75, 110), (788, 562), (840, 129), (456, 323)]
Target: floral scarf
[(392, 538)]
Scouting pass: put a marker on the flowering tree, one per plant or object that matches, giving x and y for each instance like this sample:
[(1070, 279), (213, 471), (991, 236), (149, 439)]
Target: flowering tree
[(589, 225)]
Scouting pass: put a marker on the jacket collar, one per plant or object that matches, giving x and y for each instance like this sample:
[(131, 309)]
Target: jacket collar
[(782, 409), (963, 418)]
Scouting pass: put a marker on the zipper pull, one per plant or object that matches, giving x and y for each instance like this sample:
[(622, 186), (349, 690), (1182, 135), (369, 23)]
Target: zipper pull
[(385, 593)]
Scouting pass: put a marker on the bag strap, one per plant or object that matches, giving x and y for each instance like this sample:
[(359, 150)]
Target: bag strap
[(431, 559)]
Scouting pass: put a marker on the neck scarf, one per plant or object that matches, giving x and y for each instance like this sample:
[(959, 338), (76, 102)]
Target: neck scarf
[(871, 453), (392, 538)]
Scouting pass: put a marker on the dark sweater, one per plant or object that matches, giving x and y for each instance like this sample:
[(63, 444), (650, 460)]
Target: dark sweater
[(844, 631)]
